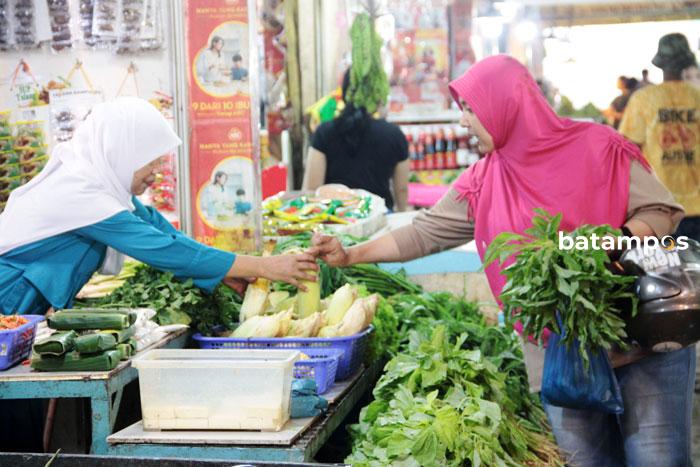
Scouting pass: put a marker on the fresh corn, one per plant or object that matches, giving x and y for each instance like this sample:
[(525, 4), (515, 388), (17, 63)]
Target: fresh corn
[(371, 304), (309, 301), (306, 327), (342, 299), (354, 320), (255, 300), (264, 326), (329, 331), (275, 298)]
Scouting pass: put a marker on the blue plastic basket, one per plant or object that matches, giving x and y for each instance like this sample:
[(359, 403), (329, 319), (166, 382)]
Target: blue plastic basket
[(353, 347), (16, 344), (322, 366)]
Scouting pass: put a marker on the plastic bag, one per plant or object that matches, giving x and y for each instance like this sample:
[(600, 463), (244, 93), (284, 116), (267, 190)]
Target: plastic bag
[(567, 383)]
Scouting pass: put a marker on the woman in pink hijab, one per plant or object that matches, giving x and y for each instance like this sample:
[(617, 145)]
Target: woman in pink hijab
[(590, 174)]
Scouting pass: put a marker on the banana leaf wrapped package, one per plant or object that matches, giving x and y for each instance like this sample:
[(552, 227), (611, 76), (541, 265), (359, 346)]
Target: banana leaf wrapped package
[(95, 342), (57, 344), (126, 351), (74, 361), (79, 321), (121, 335), (131, 314)]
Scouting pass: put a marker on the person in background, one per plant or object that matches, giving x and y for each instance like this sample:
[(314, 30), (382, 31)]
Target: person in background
[(664, 120), (360, 151), (613, 114), (214, 61), (591, 175), (645, 79), (238, 73), (692, 75)]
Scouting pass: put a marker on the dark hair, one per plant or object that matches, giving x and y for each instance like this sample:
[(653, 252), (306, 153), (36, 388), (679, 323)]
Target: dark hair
[(631, 84), (237, 57), (645, 72), (218, 175), (214, 40), (352, 123), (240, 192)]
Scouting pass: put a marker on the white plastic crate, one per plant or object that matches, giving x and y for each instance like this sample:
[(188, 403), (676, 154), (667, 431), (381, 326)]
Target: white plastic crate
[(215, 389)]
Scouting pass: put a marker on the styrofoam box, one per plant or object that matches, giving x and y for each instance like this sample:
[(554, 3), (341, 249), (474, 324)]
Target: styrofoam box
[(186, 389)]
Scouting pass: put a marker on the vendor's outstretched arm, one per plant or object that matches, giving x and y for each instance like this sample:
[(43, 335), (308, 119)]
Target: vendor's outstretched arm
[(442, 227)]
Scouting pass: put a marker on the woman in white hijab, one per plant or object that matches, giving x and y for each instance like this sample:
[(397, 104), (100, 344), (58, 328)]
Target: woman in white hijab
[(56, 230)]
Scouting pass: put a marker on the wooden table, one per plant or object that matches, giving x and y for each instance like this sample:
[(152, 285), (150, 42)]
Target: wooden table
[(298, 441), (103, 388)]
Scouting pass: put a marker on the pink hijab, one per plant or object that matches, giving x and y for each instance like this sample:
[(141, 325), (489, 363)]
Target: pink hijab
[(540, 160)]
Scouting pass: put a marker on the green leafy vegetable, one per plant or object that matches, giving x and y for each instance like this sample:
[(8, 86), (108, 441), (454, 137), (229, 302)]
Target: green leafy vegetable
[(369, 85), (545, 279), (175, 302)]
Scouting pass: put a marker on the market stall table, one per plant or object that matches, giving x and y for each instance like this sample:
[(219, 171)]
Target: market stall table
[(103, 388), (298, 441)]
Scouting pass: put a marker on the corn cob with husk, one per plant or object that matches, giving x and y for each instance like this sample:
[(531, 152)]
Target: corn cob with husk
[(340, 303), (264, 326), (255, 300), (307, 327), (356, 319)]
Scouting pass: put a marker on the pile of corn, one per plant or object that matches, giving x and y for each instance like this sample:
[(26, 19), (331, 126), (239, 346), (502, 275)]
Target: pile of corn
[(269, 314)]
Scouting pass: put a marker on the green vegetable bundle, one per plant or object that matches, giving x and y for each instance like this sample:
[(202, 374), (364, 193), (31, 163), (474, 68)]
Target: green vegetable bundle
[(440, 403), (369, 85), (175, 302), (577, 284)]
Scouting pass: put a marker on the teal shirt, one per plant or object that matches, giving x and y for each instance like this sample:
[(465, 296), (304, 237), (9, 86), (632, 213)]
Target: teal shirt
[(49, 273)]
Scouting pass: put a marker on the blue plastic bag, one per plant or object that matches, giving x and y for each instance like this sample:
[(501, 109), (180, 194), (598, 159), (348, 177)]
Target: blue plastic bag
[(567, 383)]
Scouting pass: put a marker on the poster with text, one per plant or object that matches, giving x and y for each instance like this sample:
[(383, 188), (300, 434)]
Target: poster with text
[(223, 111)]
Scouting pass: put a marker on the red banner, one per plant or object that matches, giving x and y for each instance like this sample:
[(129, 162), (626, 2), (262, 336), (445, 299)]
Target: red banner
[(223, 160)]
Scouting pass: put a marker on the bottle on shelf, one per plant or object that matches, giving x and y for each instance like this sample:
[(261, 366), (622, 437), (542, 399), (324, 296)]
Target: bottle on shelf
[(462, 147), (440, 149), (429, 150), (450, 149), (420, 151)]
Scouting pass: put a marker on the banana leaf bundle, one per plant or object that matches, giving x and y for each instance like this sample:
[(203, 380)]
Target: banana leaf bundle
[(131, 314), (121, 335), (126, 351), (79, 321), (95, 342), (74, 361), (57, 344)]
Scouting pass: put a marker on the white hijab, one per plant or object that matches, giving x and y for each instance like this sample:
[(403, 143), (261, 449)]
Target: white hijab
[(88, 179)]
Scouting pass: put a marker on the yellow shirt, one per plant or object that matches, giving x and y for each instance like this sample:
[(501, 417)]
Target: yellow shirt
[(665, 120)]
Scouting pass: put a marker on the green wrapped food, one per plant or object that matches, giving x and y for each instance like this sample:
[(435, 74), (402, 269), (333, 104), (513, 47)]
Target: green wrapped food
[(74, 361), (122, 311), (121, 335), (95, 342), (58, 344), (78, 321), (125, 350)]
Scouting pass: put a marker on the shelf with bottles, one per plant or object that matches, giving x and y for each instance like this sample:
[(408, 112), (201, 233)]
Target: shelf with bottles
[(439, 147)]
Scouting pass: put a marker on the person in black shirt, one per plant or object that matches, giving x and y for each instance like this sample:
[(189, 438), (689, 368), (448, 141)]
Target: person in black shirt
[(359, 151)]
